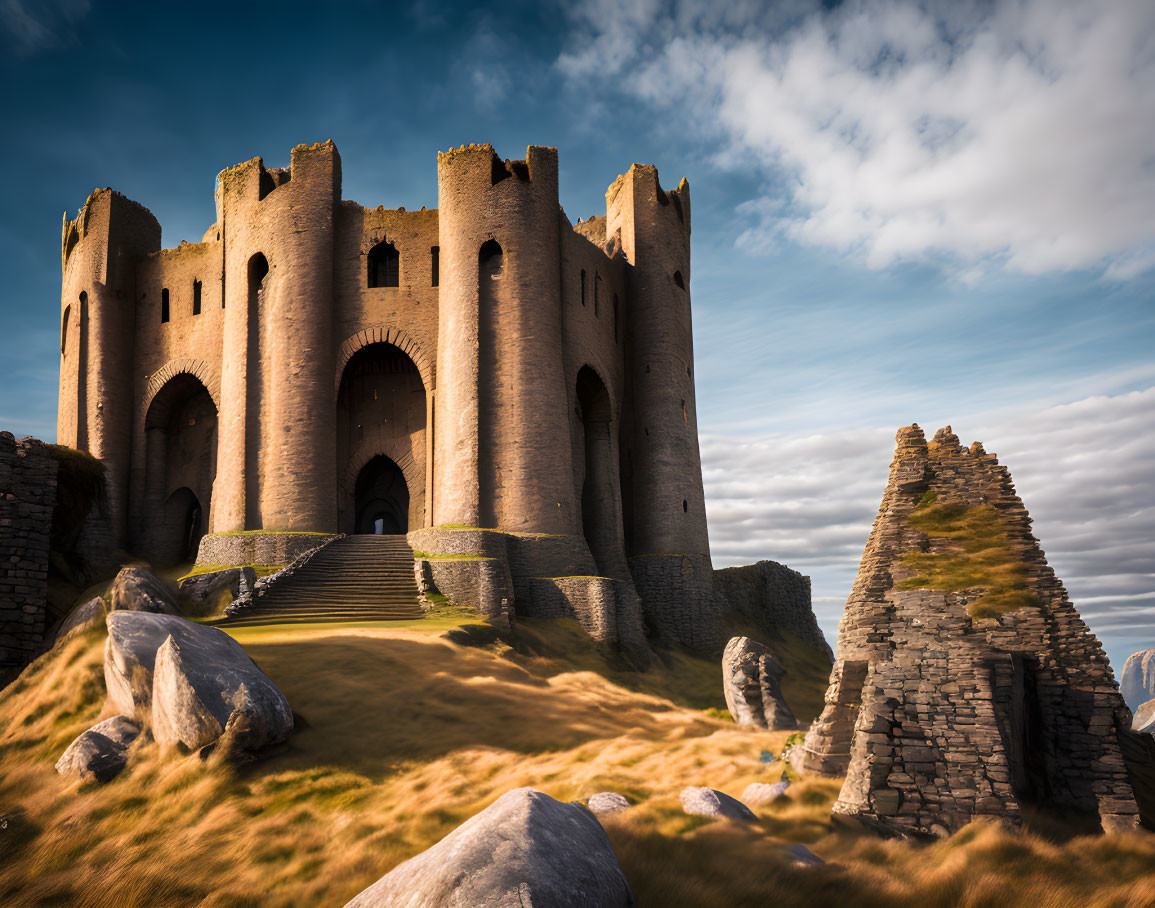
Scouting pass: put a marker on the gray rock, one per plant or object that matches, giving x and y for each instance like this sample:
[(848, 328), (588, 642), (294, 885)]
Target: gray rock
[(86, 615), (100, 753), (194, 683), (136, 589), (762, 793), (607, 802), (1137, 683), (752, 683), (205, 685), (524, 849), (201, 588), (1144, 718), (801, 856), (706, 802)]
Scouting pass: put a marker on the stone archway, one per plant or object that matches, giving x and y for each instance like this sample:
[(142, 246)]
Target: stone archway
[(180, 467), (381, 499), (381, 412)]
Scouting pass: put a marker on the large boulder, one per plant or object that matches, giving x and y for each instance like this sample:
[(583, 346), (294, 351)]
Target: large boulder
[(1137, 683), (100, 753), (86, 615), (194, 683), (706, 802), (205, 686), (752, 683), (136, 589), (1144, 718), (202, 588), (524, 849)]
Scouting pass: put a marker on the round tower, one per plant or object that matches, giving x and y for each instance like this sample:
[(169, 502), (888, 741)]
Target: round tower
[(503, 457), (276, 461), (99, 253), (668, 512)]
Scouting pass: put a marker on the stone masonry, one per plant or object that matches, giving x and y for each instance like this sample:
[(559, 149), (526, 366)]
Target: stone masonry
[(315, 366), (937, 716), (27, 496)]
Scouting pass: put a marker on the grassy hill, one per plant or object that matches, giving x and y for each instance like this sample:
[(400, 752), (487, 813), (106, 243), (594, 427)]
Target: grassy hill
[(403, 735)]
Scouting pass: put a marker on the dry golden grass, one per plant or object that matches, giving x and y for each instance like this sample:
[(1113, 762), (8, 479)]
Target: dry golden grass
[(405, 735)]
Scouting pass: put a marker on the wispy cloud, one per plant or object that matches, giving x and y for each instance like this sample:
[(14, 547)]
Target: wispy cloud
[(29, 28), (1012, 134), (1084, 471)]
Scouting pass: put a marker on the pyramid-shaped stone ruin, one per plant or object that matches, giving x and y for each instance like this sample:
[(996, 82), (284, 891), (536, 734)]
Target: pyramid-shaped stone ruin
[(965, 683)]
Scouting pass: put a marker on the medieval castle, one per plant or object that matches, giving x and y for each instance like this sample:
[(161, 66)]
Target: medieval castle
[(313, 366)]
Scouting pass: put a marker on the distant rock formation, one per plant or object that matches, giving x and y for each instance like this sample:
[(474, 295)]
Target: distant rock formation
[(965, 683), (752, 685), (1138, 679)]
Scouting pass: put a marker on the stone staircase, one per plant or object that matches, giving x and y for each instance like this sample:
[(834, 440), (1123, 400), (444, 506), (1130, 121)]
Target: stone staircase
[(354, 578)]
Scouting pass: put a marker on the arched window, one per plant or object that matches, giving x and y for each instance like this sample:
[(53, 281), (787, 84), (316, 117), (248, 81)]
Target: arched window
[(678, 280), (164, 305), (196, 297), (64, 329), (583, 286), (384, 265), (435, 255)]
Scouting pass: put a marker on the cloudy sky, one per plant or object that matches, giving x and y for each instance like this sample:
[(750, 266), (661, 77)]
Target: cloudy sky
[(903, 212)]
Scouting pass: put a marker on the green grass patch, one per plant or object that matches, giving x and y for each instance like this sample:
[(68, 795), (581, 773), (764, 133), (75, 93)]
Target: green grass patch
[(974, 551), (468, 556), (261, 570)]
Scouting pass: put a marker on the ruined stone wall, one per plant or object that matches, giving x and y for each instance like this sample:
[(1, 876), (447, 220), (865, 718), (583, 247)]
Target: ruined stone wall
[(773, 597), (27, 496), (939, 712)]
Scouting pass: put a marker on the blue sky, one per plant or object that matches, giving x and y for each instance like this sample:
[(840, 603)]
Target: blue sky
[(942, 213)]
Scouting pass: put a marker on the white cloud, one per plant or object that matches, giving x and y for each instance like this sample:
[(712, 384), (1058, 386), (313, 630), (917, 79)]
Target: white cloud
[(1015, 133), (1084, 471)]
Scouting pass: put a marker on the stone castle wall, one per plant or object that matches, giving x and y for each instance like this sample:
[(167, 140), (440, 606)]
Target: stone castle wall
[(937, 716), (517, 373), (27, 496)]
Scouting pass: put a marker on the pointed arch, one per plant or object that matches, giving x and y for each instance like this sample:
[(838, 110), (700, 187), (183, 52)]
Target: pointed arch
[(384, 334)]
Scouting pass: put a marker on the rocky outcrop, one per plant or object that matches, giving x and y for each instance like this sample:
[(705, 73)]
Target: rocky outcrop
[(85, 616), (137, 589), (752, 684), (1138, 679), (524, 849), (706, 802), (966, 684), (1144, 719), (763, 793), (607, 802), (100, 753), (193, 684), (203, 588), (775, 598)]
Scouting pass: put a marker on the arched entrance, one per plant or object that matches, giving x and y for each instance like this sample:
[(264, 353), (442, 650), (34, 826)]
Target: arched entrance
[(381, 437), (601, 514), (382, 498), (180, 467)]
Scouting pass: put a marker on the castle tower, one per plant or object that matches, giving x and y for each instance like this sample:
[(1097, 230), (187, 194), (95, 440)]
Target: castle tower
[(662, 470), (276, 455), (503, 457), (99, 253)]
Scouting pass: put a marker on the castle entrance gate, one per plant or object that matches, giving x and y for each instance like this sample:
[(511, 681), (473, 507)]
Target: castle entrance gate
[(180, 467), (381, 436), (382, 504)]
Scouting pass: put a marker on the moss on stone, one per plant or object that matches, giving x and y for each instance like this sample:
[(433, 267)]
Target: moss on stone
[(972, 551)]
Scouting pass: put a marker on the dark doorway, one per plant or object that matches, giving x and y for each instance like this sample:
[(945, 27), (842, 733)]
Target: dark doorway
[(184, 522), (382, 498), (600, 515)]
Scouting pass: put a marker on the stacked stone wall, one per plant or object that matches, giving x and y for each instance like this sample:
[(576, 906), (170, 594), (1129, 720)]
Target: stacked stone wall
[(27, 496), (937, 716)]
